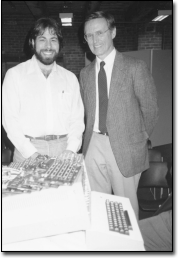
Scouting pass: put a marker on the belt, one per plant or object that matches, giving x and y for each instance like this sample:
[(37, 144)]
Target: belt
[(105, 133), (47, 137)]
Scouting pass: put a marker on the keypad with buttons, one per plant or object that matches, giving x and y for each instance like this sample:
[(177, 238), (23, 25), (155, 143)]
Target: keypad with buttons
[(118, 219)]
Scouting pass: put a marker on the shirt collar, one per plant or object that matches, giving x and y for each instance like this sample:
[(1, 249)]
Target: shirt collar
[(109, 60), (34, 67)]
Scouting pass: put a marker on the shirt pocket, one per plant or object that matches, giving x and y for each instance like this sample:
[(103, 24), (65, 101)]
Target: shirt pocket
[(65, 102)]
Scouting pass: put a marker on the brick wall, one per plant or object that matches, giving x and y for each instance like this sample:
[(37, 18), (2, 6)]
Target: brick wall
[(167, 39), (129, 36), (14, 33), (154, 36), (73, 53)]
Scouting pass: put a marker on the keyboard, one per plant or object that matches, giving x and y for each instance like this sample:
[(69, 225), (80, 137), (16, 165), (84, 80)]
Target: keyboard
[(114, 226), (118, 219)]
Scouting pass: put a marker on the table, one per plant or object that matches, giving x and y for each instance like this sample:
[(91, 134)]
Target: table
[(74, 241)]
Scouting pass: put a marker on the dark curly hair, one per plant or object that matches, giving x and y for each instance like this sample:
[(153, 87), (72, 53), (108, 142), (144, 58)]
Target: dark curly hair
[(41, 25)]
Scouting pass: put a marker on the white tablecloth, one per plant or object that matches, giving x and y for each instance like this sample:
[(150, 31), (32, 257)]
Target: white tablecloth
[(65, 242)]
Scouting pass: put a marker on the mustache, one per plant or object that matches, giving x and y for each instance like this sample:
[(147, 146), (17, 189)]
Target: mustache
[(47, 50)]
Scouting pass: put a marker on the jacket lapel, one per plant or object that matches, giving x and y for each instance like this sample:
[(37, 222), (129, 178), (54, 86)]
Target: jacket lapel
[(117, 77), (91, 91)]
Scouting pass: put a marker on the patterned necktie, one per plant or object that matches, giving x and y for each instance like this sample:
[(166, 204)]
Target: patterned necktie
[(103, 98)]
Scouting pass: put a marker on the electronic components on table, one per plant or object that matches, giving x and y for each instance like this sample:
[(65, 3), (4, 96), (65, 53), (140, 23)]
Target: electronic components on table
[(42, 172)]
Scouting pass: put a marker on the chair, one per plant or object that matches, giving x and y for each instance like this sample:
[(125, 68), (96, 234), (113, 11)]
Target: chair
[(167, 205), (154, 177), (155, 156)]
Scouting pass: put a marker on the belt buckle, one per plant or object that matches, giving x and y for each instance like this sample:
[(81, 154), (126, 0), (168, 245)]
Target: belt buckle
[(103, 133), (47, 137)]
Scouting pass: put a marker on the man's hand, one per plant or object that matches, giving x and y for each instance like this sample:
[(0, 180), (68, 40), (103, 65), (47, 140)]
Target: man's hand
[(67, 154), (36, 154)]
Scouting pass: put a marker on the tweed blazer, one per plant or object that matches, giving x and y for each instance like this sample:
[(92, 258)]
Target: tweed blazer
[(132, 111)]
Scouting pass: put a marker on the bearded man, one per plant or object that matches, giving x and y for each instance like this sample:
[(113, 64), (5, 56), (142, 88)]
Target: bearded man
[(42, 108)]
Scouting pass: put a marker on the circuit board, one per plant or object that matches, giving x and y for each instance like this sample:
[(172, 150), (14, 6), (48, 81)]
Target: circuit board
[(42, 172)]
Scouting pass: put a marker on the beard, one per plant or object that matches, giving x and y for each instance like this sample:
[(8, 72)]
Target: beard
[(45, 59)]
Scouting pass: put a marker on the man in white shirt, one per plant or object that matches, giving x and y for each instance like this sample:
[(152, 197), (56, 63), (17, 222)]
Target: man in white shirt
[(121, 111), (42, 108)]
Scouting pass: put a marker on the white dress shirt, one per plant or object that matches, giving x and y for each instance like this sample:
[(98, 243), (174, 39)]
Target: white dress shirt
[(109, 62), (35, 105)]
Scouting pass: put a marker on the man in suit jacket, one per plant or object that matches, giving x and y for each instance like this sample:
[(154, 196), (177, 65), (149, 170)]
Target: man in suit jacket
[(115, 158)]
